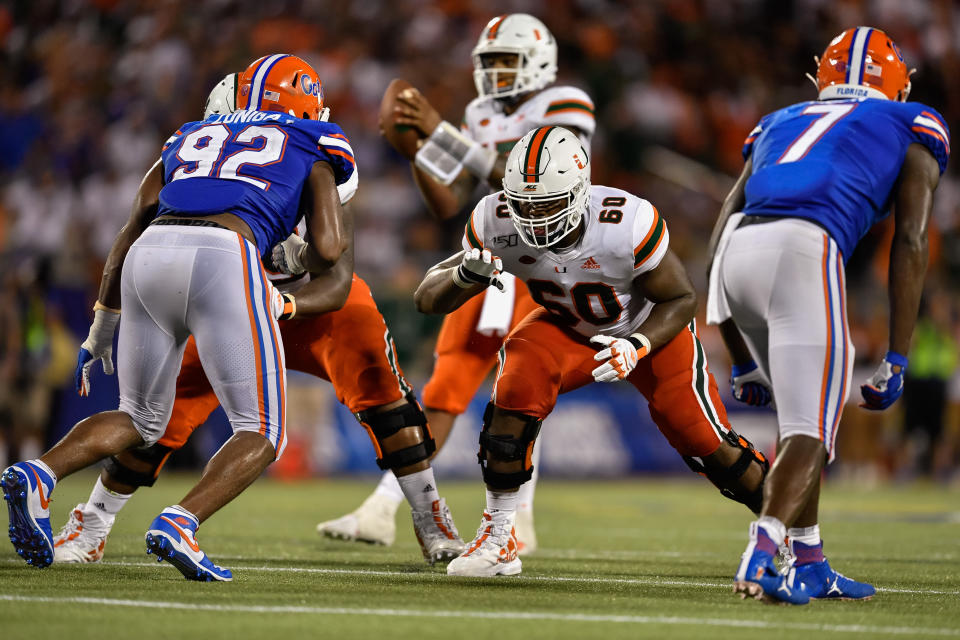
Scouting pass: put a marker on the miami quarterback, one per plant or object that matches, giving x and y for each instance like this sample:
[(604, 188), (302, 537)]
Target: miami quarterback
[(515, 64), (188, 263), (598, 262), (338, 335), (817, 176)]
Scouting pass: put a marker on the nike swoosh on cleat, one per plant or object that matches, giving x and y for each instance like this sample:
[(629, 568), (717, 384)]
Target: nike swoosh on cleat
[(44, 503), (183, 534)]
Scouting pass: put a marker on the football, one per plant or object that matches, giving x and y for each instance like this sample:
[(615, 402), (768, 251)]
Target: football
[(402, 138)]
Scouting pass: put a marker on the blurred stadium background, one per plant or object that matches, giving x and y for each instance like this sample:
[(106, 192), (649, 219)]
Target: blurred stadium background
[(91, 88)]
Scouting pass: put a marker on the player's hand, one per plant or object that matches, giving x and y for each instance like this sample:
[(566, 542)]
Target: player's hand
[(886, 385), (287, 256), (97, 346), (479, 267), (283, 305), (415, 111), (750, 386), (620, 356)]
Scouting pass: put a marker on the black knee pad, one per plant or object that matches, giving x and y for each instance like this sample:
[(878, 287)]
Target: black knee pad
[(155, 455), (507, 449), (381, 425), (728, 480)]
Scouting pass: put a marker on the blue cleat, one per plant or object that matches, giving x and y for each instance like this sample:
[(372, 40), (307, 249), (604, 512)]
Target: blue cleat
[(172, 537), (822, 582), (27, 488), (758, 578)]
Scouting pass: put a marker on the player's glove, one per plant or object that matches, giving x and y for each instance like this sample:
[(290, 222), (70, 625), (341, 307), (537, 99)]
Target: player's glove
[(98, 345), (478, 267), (283, 305), (287, 256), (749, 385), (886, 385), (620, 356)]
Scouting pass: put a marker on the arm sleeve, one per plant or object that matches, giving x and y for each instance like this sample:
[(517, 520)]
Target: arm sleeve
[(571, 107), (650, 238), (930, 129)]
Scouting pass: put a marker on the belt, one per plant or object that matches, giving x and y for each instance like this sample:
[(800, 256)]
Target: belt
[(753, 219), (188, 222)]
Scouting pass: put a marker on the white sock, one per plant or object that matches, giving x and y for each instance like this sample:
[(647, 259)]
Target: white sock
[(420, 488), (774, 529), (389, 488), (809, 536), (528, 488), (181, 511), (105, 504), (502, 504), (43, 465)]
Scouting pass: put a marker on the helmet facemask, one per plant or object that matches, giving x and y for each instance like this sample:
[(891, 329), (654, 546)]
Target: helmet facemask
[(544, 220)]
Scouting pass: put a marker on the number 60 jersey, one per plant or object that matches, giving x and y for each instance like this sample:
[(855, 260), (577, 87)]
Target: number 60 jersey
[(253, 164), (589, 286)]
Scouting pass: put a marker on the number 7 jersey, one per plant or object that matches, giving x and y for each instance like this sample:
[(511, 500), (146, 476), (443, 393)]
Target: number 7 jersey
[(254, 165), (588, 287)]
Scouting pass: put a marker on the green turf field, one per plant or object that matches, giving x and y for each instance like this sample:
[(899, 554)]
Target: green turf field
[(626, 559)]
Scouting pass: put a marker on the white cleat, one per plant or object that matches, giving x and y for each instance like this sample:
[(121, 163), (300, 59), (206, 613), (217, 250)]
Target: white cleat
[(526, 535), (492, 553), (438, 536), (372, 522), (77, 543)]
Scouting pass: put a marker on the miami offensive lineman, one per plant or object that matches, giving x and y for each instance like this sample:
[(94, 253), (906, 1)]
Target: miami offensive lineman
[(515, 62), (600, 259), (188, 263), (345, 341), (817, 176)]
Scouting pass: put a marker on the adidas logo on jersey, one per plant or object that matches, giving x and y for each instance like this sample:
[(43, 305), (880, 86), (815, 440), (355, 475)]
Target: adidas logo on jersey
[(590, 263)]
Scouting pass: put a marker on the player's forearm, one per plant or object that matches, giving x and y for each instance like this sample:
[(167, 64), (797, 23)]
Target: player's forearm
[(324, 293), (733, 203), (443, 202), (908, 266), (668, 318), (439, 294), (736, 346)]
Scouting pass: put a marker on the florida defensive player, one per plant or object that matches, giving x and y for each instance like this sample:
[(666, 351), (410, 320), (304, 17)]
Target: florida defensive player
[(515, 62), (188, 263), (599, 262), (348, 343), (817, 176)]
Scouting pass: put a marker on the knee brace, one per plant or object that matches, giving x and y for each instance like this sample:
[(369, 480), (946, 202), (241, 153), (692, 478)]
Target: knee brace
[(727, 480), (154, 455), (381, 425), (507, 448)]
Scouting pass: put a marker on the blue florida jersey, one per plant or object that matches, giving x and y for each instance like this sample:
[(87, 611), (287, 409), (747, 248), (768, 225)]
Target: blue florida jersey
[(252, 164), (835, 162)]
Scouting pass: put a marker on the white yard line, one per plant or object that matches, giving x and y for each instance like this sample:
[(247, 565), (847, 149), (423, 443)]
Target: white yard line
[(492, 615)]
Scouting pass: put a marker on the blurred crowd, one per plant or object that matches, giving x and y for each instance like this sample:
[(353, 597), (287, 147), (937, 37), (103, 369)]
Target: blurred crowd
[(91, 89)]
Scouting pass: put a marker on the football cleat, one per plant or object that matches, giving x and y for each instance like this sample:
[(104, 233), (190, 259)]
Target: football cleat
[(492, 553), (758, 578), (526, 535), (27, 489), (822, 582), (438, 537), (77, 542), (372, 522), (172, 537)]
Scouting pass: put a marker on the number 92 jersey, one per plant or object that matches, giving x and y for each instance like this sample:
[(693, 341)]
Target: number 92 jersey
[(835, 162), (252, 164), (588, 287)]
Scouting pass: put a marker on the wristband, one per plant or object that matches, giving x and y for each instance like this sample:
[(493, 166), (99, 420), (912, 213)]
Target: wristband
[(638, 340), (289, 307), (97, 306)]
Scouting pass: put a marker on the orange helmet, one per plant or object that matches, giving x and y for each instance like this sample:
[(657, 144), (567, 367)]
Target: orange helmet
[(284, 83), (862, 63)]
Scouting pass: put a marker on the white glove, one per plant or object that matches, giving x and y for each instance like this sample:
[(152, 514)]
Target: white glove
[(478, 267), (98, 345), (620, 356), (287, 256)]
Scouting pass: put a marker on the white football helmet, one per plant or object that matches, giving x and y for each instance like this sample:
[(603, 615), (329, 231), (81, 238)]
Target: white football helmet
[(223, 98), (536, 51), (546, 183)]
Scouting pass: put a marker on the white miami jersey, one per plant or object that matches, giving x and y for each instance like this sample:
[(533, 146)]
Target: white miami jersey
[(588, 287), (485, 122)]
